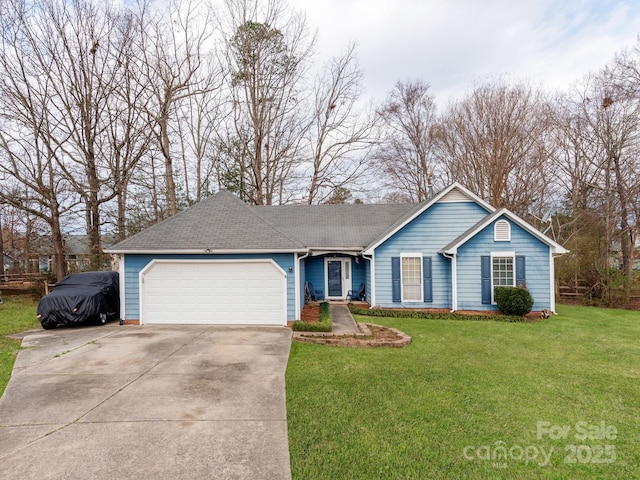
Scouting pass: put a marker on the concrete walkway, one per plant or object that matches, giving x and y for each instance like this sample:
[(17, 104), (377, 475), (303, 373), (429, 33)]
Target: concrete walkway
[(343, 322), (138, 402)]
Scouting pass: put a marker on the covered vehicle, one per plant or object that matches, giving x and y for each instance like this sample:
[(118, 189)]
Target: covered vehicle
[(81, 298)]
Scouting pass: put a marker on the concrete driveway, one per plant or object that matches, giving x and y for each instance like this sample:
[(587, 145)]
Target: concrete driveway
[(156, 402)]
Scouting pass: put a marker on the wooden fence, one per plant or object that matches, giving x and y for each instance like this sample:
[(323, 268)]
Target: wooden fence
[(23, 283), (580, 291)]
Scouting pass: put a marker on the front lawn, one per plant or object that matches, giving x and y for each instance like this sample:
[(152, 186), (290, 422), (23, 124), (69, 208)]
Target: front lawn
[(17, 314), (554, 399)]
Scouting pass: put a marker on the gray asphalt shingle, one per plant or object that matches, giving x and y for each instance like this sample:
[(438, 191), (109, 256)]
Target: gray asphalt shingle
[(221, 222), (224, 222)]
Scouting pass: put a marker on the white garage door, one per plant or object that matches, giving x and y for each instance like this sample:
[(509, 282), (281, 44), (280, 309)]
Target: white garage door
[(213, 292)]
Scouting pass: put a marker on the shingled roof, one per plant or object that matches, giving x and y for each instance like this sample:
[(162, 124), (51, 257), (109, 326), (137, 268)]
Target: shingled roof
[(334, 226), (220, 223), (224, 223)]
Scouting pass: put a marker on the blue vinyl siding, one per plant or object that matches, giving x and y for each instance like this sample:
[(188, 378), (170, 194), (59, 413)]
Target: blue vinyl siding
[(133, 264), (427, 234), (314, 271), (537, 267), (358, 272)]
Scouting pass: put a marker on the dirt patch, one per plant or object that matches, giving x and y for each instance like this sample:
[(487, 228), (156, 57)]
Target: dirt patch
[(371, 336)]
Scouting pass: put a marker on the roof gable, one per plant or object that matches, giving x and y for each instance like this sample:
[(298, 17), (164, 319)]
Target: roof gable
[(453, 193), (452, 247)]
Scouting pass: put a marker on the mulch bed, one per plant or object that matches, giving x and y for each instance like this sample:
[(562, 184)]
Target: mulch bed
[(310, 313)]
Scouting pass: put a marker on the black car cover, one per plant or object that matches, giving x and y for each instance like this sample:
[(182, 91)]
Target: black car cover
[(81, 297)]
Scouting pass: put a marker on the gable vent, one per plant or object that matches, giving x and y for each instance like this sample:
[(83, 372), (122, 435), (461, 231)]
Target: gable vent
[(455, 195), (502, 231)]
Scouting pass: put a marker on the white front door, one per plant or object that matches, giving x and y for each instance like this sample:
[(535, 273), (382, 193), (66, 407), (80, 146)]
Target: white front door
[(337, 276)]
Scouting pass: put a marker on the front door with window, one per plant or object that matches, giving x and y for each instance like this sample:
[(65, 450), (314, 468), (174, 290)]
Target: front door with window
[(337, 277)]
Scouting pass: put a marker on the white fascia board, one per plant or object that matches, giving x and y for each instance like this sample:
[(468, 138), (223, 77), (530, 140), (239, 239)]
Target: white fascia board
[(474, 232), (315, 251), (556, 248), (202, 251)]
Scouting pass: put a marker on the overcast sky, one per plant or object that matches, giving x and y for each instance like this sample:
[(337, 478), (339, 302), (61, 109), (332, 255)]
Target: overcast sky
[(452, 44)]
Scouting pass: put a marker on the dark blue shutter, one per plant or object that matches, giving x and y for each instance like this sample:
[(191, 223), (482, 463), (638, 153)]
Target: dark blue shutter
[(485, 262), (427, 281), (520, 270), (395, 278)]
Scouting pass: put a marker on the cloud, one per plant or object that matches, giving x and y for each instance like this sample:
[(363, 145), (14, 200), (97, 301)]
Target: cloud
[(454, 44)]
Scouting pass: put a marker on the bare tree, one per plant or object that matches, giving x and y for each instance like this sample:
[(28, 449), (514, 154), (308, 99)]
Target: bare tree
[(175, 68), (598, 146), (406, 154), (199, 115), (267, 51), (623, 105), (340, 131), (29, 152), (128, 135), (493, 141), (614, 119), (77, 55)]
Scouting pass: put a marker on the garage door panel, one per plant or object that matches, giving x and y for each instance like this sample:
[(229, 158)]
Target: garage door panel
[(214, 293)]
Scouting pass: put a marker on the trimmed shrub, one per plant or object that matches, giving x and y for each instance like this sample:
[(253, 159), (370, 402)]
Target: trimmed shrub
[(393, 313), (514, 300), (324, 323)]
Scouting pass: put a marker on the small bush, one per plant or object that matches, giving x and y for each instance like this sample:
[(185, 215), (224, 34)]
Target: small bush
[(324, 323), (514, 300)]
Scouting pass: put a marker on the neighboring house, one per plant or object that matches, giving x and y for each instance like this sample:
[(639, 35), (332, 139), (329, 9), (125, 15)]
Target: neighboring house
[(77, 253), (225, 262)]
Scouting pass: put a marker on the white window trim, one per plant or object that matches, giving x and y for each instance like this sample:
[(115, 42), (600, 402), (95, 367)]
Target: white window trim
[(495, 236), (346, 276), (411, 255), (502, 254)]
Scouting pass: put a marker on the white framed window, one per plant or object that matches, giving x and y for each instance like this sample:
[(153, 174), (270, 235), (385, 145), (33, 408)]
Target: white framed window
[(502, 231), (503, 271), (411, 277)]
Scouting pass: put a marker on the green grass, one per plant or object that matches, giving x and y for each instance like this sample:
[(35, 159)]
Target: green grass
[(411, 412), (17, 314)]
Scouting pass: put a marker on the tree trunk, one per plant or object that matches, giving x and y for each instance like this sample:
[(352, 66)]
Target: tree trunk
[(170, 185), (59, 265), (1, 249)]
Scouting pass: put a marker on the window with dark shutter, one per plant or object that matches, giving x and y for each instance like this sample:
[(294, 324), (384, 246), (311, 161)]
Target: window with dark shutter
[(395, 279), (427, 279), (485, 275)]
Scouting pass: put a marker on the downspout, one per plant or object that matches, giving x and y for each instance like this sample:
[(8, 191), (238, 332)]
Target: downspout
[(123, 306), (296, 289), (454, 280), (372, 278), (552, 283)]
